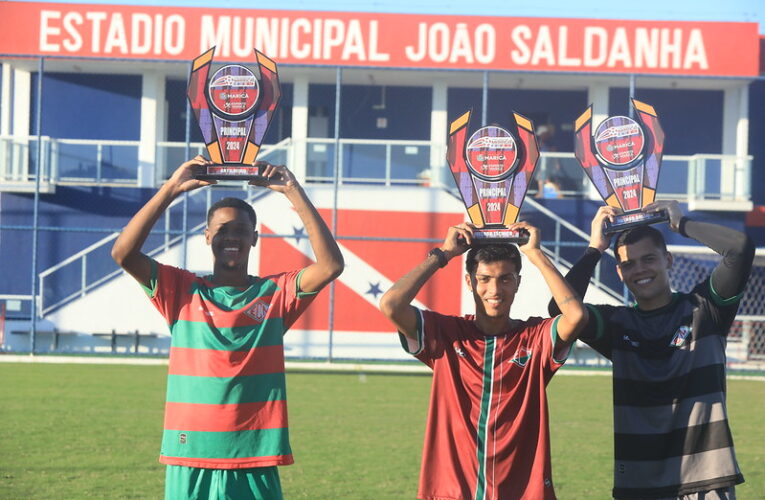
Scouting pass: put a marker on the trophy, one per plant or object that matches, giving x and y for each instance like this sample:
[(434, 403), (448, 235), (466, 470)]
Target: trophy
[(622, 159), (493, 171), (233, 108)]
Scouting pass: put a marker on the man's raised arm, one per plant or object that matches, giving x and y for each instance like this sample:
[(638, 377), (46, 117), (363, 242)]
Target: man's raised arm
[(127, 248), (395, 304), (580, 273), (329, 260), (736, 248), (573, 313)]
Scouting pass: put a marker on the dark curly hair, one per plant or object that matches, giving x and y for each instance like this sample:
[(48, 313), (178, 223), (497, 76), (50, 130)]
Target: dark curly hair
[(492, 253)]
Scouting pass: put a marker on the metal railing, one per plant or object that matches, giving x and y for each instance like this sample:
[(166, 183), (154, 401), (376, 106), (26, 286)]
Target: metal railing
[(367, 161), (86, 270), (93, 266), (725, 178)]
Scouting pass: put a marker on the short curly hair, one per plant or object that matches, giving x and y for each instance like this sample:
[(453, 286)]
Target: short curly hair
[(231, 202)]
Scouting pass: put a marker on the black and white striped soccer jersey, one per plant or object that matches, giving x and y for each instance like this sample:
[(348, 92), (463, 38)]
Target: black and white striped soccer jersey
[(671, 433)]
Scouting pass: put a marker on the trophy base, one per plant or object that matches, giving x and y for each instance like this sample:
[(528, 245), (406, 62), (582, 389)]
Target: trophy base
[(491, 236), (229, 172), (633, 219)]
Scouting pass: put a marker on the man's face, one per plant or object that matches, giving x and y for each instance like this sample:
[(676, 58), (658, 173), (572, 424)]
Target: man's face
[(644, 268), (231, 235), (494, 285)]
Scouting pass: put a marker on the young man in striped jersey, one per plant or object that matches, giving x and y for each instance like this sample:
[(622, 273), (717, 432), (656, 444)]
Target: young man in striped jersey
[(226, 411), (671, 434), (487, 435)]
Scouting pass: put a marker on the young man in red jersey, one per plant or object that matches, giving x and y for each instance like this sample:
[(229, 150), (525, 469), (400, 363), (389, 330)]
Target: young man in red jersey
[(671, 434), (487, 434), (225, 427)]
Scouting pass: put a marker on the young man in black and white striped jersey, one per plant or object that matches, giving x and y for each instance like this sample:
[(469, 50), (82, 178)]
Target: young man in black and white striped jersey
[(671, 433)]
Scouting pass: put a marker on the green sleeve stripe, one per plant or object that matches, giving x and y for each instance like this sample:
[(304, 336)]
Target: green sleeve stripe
[(554, 336), (152, 288), (719, 300), (195, 335), (598, 320), (300, 293), (405, 341), (226, 390), (232, 444)]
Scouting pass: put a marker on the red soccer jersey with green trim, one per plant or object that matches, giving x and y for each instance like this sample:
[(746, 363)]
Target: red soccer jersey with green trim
[(226, 402), (487, 434)]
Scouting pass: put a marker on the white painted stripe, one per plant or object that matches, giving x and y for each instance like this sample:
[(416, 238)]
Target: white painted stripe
[(334, 366), (278, 215)]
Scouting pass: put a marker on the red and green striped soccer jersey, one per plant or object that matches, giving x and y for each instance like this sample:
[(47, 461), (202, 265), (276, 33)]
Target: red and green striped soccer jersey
[(487, 433), (226, 402)]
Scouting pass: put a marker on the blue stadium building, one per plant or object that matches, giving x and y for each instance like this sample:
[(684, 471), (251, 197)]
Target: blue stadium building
[(94, 116)]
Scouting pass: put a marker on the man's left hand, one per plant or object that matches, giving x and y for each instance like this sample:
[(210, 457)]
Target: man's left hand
[(672, 207), (276, 177)]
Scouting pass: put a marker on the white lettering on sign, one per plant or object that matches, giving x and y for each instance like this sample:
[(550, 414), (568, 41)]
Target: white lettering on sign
[(437, 43), (112, 33), (233, 131), (300, 38), (492, 192), (345, 38), (626, 180), (639, 48)]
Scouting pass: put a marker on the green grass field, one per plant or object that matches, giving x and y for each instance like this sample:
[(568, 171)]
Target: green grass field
[(93, 431)]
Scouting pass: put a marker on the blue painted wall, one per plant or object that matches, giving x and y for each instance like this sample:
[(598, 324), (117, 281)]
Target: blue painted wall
[(691, 119), (88, 106)]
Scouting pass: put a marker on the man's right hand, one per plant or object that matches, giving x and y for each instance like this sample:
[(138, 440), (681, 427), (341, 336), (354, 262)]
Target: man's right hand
[(183, 179), (458, 240), (598, 239)]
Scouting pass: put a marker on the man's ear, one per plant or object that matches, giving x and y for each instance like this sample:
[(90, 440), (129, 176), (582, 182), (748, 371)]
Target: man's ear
[(208, 239), (469, 282), (670, 260), (255, 237), (619, 272)]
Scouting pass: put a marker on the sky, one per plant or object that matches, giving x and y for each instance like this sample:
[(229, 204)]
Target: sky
[(669, 10)]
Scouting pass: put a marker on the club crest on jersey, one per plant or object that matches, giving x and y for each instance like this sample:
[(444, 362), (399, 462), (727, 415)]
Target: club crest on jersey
[(680, 335), (257, 311), (459, 351), (521, 356)]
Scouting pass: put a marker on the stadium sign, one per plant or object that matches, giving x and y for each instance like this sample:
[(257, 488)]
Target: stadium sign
[(381, 40)]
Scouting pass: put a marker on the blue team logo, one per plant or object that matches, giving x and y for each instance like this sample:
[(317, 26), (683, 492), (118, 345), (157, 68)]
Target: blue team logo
[(521, 356), (681, 334)]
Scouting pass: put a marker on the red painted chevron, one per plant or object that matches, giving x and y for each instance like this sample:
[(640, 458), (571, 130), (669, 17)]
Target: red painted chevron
[(394, 259), (352, 312), (391, 259)]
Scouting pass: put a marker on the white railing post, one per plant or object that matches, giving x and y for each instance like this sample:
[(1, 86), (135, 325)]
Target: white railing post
[(99, 161), (387, 163), (340, 161), (83, 275)]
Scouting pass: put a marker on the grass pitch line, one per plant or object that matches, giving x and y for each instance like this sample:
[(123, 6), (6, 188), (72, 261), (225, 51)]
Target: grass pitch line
[(309, 366)]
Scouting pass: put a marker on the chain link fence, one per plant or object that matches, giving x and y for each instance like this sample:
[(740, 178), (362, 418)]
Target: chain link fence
[(746, 340)]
